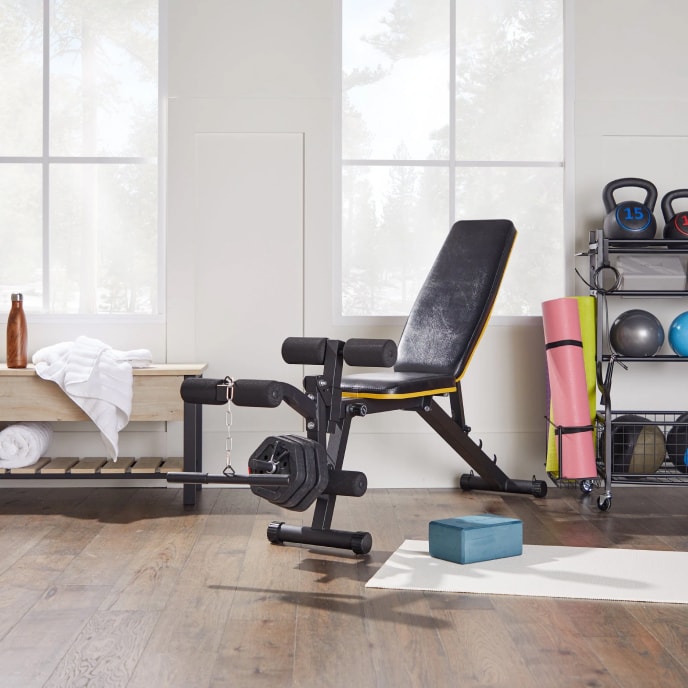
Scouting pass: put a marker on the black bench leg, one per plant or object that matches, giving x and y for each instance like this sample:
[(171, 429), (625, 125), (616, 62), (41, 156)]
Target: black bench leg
[(193, 448), (491, 476)]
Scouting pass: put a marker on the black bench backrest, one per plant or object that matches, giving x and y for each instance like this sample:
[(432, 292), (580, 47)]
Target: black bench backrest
[(455, 301)]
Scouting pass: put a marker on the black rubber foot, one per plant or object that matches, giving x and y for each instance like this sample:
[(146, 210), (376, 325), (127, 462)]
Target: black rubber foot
[(539, 488), (358, 542), (274, 532), (536, 488), (361, 543)]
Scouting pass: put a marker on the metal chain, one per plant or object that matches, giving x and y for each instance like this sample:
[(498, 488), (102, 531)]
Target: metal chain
[(229, 469)]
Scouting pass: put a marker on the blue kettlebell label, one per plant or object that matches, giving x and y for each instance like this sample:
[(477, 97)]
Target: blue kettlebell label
[(634, 218)]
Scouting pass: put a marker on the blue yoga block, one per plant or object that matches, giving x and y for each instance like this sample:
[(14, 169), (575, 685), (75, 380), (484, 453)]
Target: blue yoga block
[(468, 539)]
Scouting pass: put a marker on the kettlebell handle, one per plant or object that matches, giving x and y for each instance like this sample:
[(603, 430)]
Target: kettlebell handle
[(668, 199), (609, 189)]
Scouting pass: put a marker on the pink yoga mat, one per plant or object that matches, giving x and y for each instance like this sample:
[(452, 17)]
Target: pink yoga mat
[(568, 387)]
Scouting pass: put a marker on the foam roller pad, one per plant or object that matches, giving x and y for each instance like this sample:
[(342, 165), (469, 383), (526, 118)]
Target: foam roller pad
[(201, 390), (468, 539), (304, 350), (261, 393), (370, 352)]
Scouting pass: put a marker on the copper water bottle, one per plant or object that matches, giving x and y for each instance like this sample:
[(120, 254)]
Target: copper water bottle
[(17, 336)]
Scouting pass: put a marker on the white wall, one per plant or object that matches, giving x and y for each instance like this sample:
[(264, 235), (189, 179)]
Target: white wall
[(250, 214), (270, 66), (631, 82)]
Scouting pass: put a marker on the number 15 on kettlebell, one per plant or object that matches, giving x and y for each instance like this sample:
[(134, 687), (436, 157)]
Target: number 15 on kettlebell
[(630, 219)]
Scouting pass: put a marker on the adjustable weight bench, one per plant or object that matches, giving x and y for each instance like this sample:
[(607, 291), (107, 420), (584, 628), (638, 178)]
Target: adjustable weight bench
[(445, 324)]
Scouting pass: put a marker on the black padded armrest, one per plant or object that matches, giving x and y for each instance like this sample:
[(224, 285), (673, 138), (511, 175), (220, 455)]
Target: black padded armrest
[(304, 350), (374, 353)]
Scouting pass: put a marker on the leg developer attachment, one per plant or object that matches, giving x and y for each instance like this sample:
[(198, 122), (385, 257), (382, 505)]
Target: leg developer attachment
[(289, 471), (295, 472)]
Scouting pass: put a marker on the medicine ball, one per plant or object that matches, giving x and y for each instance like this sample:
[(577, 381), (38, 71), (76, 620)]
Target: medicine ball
[(677, 443), (638, 446), (678, 334), (636, 333)]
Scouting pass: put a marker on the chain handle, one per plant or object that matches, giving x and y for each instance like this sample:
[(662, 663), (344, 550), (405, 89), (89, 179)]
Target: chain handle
[(229, 469)]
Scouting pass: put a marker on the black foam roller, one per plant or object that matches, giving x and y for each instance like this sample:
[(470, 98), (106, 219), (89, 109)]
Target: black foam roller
[(201, 390), (370, 352), (347, 483), (264, 393), (304, 350)]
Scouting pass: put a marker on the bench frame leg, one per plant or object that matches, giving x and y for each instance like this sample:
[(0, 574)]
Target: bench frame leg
[(193, 447)]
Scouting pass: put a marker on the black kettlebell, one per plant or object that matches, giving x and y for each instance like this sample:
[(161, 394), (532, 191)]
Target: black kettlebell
[(676, 226), (629, 219)]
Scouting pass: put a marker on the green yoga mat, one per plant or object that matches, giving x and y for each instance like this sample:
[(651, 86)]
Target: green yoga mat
[(586, 313)]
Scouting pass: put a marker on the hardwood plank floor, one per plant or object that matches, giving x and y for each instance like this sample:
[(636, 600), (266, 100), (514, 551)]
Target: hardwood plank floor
[(125, 587)]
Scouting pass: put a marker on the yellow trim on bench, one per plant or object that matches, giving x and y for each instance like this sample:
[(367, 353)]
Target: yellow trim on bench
[(408, 395)]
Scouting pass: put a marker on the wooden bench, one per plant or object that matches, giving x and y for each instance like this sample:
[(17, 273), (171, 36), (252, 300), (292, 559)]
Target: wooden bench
[(26, 397)]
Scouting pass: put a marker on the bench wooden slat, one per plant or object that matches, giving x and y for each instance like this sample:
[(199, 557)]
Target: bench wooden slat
[(33, 468), (173, 463), (122, 465), (88, 465), (61, 464), (146, 464)]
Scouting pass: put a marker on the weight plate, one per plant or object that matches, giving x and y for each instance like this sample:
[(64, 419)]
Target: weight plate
[(289, 456), (268, 450), (320, 471), (303, 454)]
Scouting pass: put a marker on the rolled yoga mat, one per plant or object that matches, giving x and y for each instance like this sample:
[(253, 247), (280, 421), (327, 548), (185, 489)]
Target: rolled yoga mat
[(570, 399), (587, 318)]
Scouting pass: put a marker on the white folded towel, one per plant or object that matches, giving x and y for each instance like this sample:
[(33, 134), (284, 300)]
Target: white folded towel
[(22, 444), (97, 378)]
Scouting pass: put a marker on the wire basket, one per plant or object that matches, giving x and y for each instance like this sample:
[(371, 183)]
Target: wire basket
[(646, 447)]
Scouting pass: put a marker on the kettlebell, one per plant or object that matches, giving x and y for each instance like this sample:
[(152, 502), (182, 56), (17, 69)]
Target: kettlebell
[(629, 219), (676, 226)]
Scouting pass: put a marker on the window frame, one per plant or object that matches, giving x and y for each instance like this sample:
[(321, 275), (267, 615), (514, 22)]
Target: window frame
[(45, 160), (566, 165)]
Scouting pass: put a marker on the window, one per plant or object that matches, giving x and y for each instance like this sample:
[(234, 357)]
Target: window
[(451, 109), (79, 143)]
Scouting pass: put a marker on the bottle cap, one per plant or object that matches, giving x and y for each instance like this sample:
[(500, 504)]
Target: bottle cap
[(17, 297)]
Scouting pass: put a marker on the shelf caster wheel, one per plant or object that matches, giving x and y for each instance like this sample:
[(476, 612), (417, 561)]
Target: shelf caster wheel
[(604, 503), (586, 486)]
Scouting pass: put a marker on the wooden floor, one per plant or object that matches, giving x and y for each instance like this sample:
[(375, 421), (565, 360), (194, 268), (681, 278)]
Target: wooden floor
[(124, 587)]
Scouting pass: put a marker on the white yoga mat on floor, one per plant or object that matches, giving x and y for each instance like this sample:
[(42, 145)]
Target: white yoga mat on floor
[(542, 571)]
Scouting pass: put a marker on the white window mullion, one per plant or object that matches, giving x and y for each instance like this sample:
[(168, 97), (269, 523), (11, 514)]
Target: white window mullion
[(452, 111), (45, 164)]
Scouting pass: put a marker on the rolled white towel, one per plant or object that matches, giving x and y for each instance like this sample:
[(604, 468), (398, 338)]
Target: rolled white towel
[(22, 444)]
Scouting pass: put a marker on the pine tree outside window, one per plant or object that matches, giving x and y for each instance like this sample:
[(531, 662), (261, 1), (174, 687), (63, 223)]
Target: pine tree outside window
[(79, 156), (451, 109)]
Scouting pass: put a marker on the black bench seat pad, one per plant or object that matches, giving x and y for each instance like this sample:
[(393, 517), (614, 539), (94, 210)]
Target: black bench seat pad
[(396, 385)]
